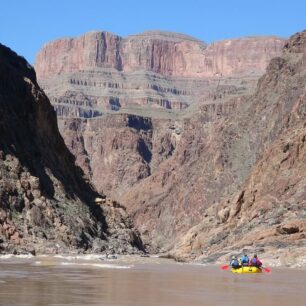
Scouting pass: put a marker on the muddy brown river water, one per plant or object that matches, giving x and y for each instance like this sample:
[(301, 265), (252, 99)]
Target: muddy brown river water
[(69, 280)]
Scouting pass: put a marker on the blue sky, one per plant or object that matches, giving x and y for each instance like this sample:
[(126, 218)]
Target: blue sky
[(26, 25)]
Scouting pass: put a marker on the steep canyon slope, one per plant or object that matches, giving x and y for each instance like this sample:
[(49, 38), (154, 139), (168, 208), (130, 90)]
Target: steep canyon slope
[(267, 213), (101, 73), (174, 168), (46, 206)]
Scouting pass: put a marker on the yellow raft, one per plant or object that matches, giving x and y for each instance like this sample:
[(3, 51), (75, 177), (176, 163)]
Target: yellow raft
[(246, 270)]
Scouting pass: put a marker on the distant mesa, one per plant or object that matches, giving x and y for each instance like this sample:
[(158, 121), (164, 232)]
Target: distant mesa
[(170, 36), (153, 69)]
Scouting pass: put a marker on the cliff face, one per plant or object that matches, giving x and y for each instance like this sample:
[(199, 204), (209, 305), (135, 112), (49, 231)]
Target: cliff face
[(45, 203), (99, 71), (217, 157), (204, 166), (165, 53), (95, 49), (174, 170), (267, 213), (185, 57), (162, 169), (114, 150), (117, 151)]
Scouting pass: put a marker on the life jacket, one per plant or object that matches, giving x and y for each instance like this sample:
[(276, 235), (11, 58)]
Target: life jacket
[(245, 259), (254, 261), (235, 262)]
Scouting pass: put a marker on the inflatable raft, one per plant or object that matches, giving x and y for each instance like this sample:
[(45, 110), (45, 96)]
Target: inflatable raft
[(246, 270)]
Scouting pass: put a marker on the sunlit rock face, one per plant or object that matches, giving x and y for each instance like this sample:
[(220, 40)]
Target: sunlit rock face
[(173, 127), (169, 54), (101, 71)]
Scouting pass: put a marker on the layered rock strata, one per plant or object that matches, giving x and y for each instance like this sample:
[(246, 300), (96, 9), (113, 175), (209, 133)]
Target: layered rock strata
[(164, 53), (100, 71)]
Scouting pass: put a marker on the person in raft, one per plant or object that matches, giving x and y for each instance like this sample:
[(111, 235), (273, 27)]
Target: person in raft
[(255, 262), (244, 260), (235, 263)]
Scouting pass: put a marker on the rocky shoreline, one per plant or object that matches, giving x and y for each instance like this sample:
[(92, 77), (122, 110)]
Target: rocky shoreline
[(288, 259)]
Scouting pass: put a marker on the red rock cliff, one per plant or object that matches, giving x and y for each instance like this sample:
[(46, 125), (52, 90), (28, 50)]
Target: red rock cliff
[(165, 53)]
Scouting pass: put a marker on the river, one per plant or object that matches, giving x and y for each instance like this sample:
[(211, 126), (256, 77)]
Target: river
[(137, 281)]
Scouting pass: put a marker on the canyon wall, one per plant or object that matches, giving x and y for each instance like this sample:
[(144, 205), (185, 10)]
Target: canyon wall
[(169, 54), (192, 164), (267, 213), (46, 205), (235, 168), (98, 74), (100, 71)]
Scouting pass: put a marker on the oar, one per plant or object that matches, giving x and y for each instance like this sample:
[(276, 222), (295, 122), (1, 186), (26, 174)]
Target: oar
[(225, 267), (266, 269)]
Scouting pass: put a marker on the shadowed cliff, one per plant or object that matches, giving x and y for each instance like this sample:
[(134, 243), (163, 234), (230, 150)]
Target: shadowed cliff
[(45, 203)]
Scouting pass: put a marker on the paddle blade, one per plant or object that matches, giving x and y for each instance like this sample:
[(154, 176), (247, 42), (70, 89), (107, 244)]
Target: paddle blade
[(267, 269), (224, 267)]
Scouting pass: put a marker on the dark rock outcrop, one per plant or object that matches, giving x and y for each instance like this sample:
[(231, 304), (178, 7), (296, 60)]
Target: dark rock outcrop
[(117, 151), (45, 203)]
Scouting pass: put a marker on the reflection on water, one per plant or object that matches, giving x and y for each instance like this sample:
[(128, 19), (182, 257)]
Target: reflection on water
[(58, 281)]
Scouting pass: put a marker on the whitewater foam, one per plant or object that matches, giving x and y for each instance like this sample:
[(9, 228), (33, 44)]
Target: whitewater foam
[(106, 266), (8, 256), (81, 257)]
